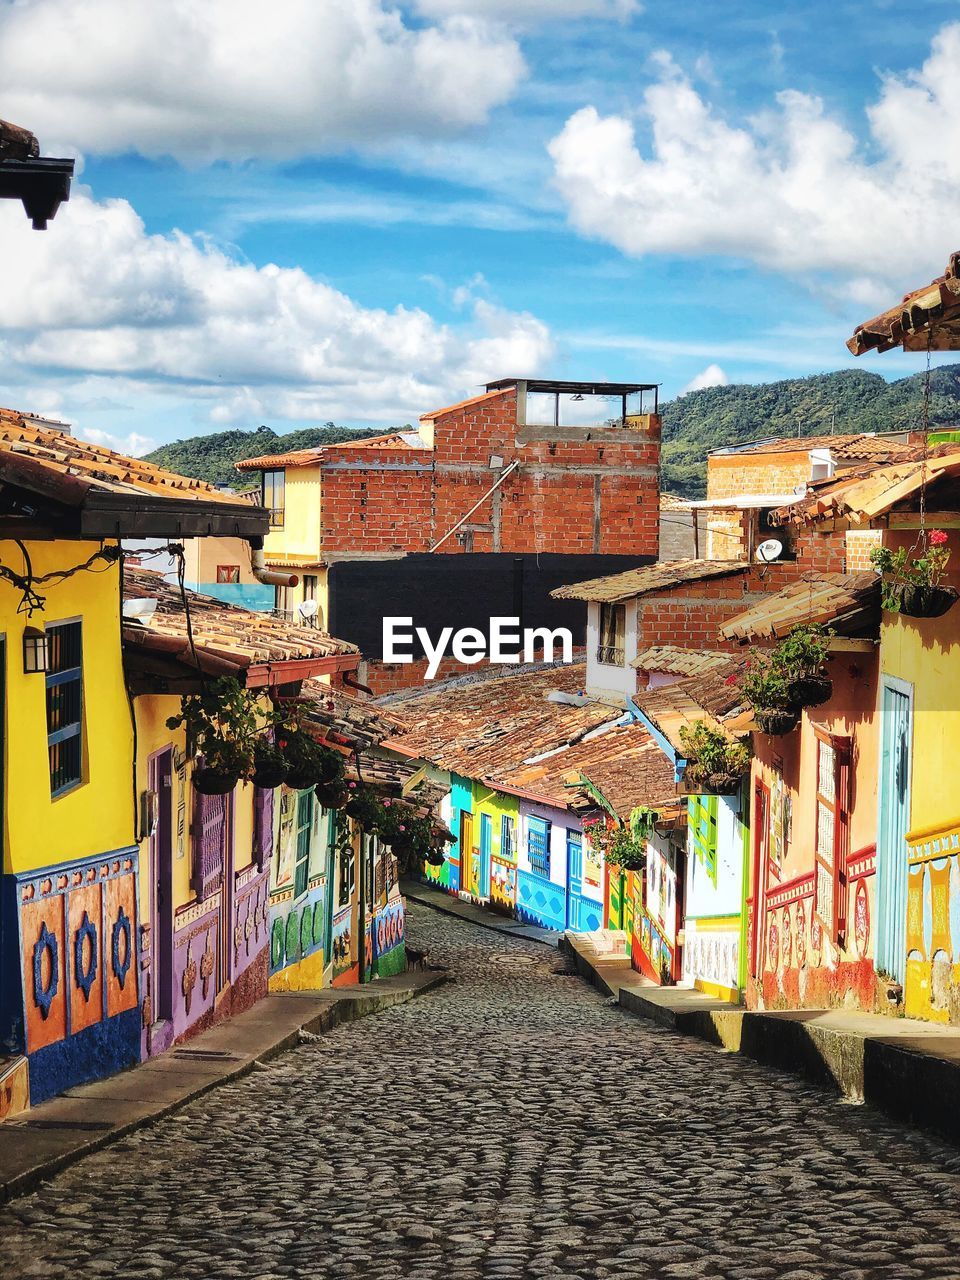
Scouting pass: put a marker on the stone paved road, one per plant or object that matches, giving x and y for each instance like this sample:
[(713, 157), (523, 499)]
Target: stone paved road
[(527, 1129)]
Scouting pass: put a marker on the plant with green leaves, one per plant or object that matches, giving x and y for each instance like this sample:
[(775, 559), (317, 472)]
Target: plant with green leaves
[(912, 583), (223, 722), (716, 763), (802, 655)]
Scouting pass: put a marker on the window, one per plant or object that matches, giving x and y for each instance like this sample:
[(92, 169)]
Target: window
[(833, 809), (64, 706), (538, 845), (702, 817), (613, 625), (228, 573), (347, 864), (209, 842), (274, 496), (309, 586), (280, 599), (304, 830), (507, 837)]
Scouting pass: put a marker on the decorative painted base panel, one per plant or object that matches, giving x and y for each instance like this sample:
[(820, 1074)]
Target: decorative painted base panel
[(91, 1054), (586, 914), (711, 956), (540, 902)]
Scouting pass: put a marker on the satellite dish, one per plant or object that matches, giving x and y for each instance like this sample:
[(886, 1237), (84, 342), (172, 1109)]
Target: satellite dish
[(308, 609), (769, 551), (140, 610)]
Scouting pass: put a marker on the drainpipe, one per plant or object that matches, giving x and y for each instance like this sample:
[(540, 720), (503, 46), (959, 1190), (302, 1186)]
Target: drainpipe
[(271, 577)]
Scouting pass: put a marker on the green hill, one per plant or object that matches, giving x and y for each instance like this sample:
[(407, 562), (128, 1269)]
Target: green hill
[(212, 457), (847, 401)]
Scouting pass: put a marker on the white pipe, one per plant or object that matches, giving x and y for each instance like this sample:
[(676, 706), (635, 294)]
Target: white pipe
[(500, 479), (271, 577)]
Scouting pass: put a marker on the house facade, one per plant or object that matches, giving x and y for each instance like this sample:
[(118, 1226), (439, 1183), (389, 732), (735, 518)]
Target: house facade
[(71, 896)]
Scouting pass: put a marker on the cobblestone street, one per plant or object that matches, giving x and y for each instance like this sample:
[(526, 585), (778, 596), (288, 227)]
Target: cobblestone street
[(394, 1148)]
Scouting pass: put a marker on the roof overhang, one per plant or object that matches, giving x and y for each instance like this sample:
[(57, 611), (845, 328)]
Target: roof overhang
[(42, 183), (105, 515)]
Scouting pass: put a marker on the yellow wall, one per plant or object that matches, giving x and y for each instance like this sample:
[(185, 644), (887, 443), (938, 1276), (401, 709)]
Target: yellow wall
[(98, 814), (203, 555), (925, 653), (152, 711), (299, 539)]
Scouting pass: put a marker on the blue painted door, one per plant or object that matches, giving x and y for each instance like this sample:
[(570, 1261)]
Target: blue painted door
[(486, 838), (574, 879), (892, 826)]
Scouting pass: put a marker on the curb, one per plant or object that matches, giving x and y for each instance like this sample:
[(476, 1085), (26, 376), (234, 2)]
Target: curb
[(900, 1076), (336, 1014), (512, 930)]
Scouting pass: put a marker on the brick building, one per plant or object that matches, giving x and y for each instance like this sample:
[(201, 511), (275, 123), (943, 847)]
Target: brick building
[(510, 473), (745, 483)]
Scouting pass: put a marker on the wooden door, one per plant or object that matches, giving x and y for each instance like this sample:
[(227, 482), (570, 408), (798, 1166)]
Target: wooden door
[(466, 852), (160, 781)]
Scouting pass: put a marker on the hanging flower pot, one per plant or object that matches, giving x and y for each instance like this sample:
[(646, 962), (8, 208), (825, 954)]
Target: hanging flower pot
[(810, 690), (210, 781), (911, 582), (365, 809), (776, 721), (702, 782), (270, 767), (918, 601), (331, 795), (715, 762)]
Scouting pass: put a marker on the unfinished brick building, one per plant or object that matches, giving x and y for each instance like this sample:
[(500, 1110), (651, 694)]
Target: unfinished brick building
[(507, 474)]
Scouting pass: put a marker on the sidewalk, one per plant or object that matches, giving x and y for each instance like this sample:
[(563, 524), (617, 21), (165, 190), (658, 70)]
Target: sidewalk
[(440, 900), (47, 1138), (908, 1068)]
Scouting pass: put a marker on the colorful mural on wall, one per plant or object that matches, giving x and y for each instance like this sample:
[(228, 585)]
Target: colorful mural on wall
[(932, 988), (75, 1011)]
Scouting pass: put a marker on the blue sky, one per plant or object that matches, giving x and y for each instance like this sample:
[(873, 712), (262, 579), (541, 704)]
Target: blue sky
[(355, 210)]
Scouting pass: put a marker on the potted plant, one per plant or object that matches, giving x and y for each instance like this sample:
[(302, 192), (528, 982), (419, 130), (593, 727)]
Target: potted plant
[(364, 807), (802, 655), (223, 723), (911, 584), (270, 765), (308, 763), (767, 686), (716, 763)]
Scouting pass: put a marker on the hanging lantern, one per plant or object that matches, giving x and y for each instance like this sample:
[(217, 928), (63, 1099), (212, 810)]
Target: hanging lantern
[(34, 651)]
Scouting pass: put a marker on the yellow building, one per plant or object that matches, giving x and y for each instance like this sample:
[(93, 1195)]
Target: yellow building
[(69, 907), (211, 864)]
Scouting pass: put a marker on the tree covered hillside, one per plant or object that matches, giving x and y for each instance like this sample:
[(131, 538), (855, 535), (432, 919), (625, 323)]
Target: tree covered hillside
[(212, 457), (847, 401)]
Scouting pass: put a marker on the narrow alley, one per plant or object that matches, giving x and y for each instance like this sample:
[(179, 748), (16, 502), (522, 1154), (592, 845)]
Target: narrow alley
[(510, 1124)]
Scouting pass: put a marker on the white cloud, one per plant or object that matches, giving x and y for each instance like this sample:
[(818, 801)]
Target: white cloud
[(97, 298), (133, 444), (790, 189), (239, 78), (527, 11), (711, 376)]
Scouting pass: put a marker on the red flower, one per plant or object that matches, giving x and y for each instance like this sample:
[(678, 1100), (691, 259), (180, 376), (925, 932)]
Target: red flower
[(937, 538)]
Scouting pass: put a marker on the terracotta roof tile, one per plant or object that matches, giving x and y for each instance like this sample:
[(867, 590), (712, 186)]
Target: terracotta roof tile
[(858, 445), (648, 578), (845, 600), (637, 774), (222, 632), (392, 440), (861, 497), (70, 469), (672, 660), (713, 697), (930, 314), (466, 404)]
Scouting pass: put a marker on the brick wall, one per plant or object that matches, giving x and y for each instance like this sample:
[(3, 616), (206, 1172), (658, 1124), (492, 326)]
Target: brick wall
[(376, 501), (860, 542), (690, 616), (732, 474)]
